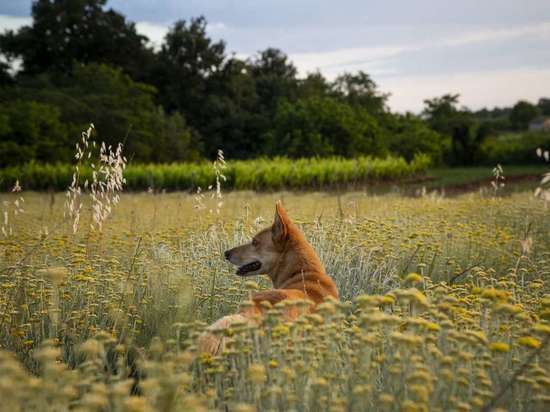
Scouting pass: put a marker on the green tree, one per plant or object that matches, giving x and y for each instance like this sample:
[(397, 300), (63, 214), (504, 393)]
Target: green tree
[(313, 85), (324, 126), (544, 106), (409, 135), (122, 111), (173, 139), (275, 78), (361, 91), (522, 114), (232, 119), (186, 62), (460, 125), (68, 31), (31, 131), (5, 76), (439, 112)]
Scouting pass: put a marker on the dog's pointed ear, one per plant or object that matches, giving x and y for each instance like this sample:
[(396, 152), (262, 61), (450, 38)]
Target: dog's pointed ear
[(279, 230)]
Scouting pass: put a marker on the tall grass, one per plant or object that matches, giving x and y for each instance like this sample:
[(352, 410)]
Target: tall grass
[(444, 301), (259, 174)]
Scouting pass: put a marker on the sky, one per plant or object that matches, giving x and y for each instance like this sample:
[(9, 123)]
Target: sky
[(491, 52)]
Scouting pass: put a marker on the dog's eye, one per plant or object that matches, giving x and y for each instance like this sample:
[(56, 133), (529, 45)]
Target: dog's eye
[(254, 242)]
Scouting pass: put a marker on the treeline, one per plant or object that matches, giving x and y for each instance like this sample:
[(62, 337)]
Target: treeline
[(80, 61)]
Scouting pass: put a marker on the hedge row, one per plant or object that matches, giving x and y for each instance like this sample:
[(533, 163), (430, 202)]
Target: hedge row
[(258, 174)]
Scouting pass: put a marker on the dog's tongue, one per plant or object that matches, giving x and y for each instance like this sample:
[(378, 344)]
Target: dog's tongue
[(250, 267)]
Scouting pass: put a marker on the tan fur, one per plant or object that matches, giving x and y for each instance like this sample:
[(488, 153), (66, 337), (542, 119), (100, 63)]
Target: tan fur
[(292, 265), (212, 343)]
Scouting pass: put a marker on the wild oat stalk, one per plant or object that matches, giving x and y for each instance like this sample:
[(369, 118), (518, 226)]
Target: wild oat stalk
[(543, 191), (107, 181), (73, 202), (199, 200), (498, 182), (219, 166), (11, 209)]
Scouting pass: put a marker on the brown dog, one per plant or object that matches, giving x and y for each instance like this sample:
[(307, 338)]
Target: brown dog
[(283, 253)]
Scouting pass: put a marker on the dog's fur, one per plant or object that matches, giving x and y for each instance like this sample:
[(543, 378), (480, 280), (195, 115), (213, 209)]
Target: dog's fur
[(283, 253)]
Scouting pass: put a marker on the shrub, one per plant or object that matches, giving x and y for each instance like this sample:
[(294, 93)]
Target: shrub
[(31, 130), (514, 148), (409, 135), (325, 127)]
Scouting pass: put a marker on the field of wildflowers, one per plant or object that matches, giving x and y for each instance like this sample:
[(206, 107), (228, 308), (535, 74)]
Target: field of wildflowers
[(445, 305)]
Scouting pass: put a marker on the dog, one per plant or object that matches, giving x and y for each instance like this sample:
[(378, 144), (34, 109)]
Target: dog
[(283, 253)]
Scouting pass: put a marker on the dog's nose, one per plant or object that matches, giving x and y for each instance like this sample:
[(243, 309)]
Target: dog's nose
[(227, 254)]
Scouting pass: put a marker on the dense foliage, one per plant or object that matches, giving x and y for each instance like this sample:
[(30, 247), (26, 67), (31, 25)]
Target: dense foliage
[(40, 118), (513, 148), (83, 62)]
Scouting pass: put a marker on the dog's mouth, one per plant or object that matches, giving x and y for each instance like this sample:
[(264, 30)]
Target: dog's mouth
[(249, 267)]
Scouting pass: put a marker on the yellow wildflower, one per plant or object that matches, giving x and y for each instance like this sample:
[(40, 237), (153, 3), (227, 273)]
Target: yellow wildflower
[(529, 341), (499, 347)]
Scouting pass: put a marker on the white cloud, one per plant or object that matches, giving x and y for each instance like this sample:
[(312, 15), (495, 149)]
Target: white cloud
[(13, 22), (155, 32), (476, 89), (541, 30), (371, 59), (335, 62), (216, 27)]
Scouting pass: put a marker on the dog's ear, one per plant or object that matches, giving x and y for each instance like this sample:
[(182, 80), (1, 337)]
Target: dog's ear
[(279, 230)]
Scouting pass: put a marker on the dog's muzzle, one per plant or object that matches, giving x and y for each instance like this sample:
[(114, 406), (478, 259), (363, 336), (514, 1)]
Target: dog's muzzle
[(249, 267), (244, 269)]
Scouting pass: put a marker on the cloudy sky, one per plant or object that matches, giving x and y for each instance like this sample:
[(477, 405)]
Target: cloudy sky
[(492, 52)]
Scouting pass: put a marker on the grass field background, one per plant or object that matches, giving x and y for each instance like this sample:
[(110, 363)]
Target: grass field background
[(444, 302), (376, 175), (258, 174), (460, 176)]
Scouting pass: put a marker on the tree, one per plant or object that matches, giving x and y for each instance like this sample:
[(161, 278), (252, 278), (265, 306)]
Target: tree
[(408, 135), (68, 31), (461, 126), (232, 118), (544, 106), (440, 110), (522, 114), (5, 77), (240, 102), (275, 78), (314, 85), (324, 126), (122, 111), (187, 60), (31, 131), (361, 91)]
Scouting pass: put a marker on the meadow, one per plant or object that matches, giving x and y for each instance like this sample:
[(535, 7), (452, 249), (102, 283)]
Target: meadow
[(445, 305)]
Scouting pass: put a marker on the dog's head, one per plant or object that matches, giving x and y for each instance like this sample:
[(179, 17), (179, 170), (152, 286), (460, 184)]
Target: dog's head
[(263, 253)]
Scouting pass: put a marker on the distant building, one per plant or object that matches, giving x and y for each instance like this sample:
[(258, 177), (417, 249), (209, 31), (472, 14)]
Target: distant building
[(540, 124)]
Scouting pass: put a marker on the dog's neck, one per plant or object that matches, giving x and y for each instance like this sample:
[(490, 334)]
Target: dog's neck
[(299, 259)]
